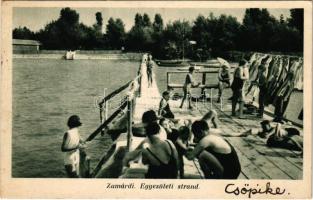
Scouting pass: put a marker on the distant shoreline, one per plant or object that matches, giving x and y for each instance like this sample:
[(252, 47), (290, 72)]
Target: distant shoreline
[(81, 55)]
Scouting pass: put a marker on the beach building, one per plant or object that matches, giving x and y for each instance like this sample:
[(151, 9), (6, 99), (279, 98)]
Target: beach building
[(25, 46)]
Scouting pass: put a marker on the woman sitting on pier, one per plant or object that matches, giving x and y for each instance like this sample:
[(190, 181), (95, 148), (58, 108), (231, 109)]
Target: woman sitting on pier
[(217, 157), (161, 156)]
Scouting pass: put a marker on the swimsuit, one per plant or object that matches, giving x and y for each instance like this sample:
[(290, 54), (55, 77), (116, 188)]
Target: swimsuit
[(169, 170), (225, 78), (167, 113), (230, 162), (237, 82)]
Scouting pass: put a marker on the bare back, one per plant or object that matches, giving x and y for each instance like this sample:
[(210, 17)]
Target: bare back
[(215, 143), (161, 149)]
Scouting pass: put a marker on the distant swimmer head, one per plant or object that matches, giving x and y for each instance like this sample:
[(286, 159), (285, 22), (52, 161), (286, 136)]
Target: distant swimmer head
[(200, 128), (73, 121)]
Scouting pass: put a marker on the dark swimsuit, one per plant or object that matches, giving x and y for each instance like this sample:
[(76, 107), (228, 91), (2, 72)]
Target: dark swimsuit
[(225, 78), (230, 162), (167, 111), (169, 170), (237, 82)]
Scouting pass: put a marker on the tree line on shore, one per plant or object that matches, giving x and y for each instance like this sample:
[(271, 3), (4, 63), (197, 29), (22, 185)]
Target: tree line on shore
[(205, 37)]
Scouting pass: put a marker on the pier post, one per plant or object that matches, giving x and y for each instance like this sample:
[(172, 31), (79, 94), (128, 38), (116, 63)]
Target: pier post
[(139, 82), (101, 117), (203, 83), (129, 122), (167, 80), (103, 108)]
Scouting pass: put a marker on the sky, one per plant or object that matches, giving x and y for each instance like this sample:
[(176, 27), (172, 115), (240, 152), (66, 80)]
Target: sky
[(36, 18)]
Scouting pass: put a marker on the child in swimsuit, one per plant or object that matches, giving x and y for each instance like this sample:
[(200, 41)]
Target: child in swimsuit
[(164, 107), (223, 80)]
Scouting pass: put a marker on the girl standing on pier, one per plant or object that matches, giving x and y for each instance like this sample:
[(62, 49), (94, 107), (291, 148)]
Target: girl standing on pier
[(71, 146)]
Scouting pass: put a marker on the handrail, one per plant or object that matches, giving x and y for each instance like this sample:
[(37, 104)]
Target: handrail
[(114, 93), (134, 89), (104, 158), (104, 124)]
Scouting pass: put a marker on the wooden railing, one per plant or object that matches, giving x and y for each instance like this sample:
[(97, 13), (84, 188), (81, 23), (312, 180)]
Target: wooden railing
[(134, 90), (203, 86)]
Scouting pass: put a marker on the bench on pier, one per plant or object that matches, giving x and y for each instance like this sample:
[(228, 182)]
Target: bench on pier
[(203, 86)]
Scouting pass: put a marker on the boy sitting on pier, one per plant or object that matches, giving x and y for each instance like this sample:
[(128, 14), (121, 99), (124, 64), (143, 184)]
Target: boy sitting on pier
[(164, 107)]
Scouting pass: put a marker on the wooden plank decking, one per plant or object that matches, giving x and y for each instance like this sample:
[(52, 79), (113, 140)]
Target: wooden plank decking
[(257, 160)]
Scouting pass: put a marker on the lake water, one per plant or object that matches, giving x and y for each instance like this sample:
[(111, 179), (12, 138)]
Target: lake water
[(45, 93)]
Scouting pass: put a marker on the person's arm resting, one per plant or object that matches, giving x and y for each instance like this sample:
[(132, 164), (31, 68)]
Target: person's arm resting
[(161, 108), (195, 152)]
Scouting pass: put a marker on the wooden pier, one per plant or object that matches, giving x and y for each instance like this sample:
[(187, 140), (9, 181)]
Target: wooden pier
[(257, 160)]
